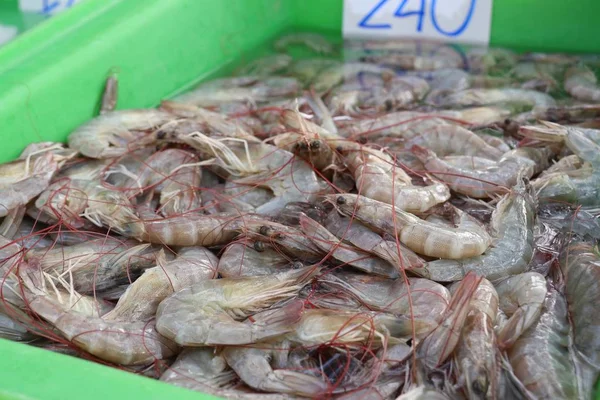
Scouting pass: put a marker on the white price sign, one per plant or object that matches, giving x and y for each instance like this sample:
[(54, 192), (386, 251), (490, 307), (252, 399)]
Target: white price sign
[(48, 7), (459, 21)]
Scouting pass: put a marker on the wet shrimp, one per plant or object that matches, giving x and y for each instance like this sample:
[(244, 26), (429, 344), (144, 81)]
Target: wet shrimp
[(540, 357), (252, 258), (582, 84), (521, 299), (476, 352), (469, 238), (142, 297), (420, 299), (345, 253), (483, 97), (209, 312), (512, 248), (111, 134)]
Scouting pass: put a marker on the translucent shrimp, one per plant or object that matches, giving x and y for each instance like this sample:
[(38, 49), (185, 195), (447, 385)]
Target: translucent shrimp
[(109, 96), (96, 264), (183, 230), (110, 134), (416, 62), (421, 299), (142, 297), (359, 235), (512, 249), (266, 66), (23, 180), (521, 299), (581, 83), (377, 177), (209, 312), (345, 253), (350, 72), (477, 116), (251, 258), (495, 179), (441, 342), (313, 41), (468, 239), (125, 343), (476, 353), (482, 97), (579, 264), (541, 76), (254, 367), (540, 357)]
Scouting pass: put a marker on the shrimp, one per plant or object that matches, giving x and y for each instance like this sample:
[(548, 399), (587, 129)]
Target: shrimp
[(378, 178), (266, 66), (254, 367), (521, 298), (313, 41), (476, 352), (483, 97), (183, 230), (482, 183), (468, 239), (582, 84), (421, 299), (111, 134), (239, 90), (345, 253), (477, 116), (95, 264), (415, 62), (109, 97), (332, 75), (123, 343), (251, 258), (440, 343), (141, 299), (11, 222), (512, 248), (23, 180), (540, 357), (11, 329), (208, 312), (365, 239), (579, 264)]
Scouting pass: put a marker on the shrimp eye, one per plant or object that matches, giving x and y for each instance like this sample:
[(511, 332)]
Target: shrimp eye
[(339, 149), (278, 236), (478, 388), (297, 265), (362, 140), (264, 230), (315, 144), (388, 105), (259, 246), (301, 146), (340, 200), (161, 134)]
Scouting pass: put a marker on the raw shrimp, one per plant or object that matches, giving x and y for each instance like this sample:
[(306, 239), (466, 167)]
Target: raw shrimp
[(95, 264), (377, 177), (111, 134), (468, 239), (440, 343), (495, 179), (482, 97), (477, 116), (512, 249), (266, 66), (334, 74), (12, 222), (251, 258), (184, 230), (140, 301), (242, 89), (359, 235), (209, 312), (313, 41), (415, 62), (13, 330), (540, 357), (580, 266), (254, 366), (347, 254), (421, 299), (521, 299), (23, 180), (476, 352), (109, 97), (581, 83)]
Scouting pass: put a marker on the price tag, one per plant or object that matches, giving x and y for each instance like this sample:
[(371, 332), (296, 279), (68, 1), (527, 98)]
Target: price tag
[(457, 21), (47, 7)]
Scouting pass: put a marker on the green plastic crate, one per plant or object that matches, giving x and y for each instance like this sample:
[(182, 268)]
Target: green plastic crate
[(51, 78)]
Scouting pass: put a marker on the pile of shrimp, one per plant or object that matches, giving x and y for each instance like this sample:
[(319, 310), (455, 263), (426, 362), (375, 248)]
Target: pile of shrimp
[(416, 221)]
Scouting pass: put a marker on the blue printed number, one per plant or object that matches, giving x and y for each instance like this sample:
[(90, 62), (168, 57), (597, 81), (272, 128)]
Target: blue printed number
[(420, 13), (461, 28), (364, 23)]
